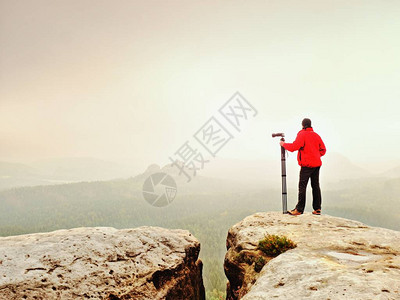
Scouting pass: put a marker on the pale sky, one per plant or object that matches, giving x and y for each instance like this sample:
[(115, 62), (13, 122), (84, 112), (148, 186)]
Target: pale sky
[(134, 80)]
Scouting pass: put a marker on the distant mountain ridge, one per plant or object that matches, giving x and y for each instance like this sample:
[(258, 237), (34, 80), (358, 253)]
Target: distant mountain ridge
[(60, 170), (335, 168)]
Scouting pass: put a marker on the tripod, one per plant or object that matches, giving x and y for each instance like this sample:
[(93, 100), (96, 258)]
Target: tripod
[(283, 171)]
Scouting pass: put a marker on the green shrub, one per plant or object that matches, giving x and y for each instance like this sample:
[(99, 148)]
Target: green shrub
[(259, 264), (243, 257), (273, 245)]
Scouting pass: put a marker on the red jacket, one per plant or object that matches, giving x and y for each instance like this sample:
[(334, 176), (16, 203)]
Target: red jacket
[(310, 146)]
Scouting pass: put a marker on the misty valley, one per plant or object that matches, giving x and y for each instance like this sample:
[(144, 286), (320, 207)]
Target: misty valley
[(207, 207)]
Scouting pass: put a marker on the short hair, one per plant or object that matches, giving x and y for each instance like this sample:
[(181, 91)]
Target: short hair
[(306, 123)]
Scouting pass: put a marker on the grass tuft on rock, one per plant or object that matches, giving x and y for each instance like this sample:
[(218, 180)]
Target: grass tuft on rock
[(273, 245)]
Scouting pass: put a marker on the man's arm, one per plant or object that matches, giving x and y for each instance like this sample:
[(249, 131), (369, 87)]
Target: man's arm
[(296, 145)]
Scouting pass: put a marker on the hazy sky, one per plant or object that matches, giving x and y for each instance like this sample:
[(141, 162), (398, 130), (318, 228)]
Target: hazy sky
[(136, 79)]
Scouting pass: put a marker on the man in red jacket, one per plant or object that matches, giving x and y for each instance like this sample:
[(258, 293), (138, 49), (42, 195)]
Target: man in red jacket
[(311, 148)]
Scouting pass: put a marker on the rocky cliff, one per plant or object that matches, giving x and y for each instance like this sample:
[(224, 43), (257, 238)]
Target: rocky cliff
[(101, 263), (335, 258)]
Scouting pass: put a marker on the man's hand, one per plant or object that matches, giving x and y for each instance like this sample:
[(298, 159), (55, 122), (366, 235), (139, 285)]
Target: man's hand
[(281, 143)]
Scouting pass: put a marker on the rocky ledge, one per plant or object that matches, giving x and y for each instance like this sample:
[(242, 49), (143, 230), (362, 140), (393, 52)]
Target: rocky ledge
[(335, 258), (101, 263)]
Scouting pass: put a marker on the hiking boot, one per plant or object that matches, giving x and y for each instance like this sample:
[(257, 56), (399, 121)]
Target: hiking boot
[(316, 212), (294, 212)]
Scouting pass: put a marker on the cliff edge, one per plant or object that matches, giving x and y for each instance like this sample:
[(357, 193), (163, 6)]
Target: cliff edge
[(335, 258), (101, 263)]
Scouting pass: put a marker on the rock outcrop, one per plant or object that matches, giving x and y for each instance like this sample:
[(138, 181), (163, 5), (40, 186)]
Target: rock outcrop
[(101, 263), (335, 258)]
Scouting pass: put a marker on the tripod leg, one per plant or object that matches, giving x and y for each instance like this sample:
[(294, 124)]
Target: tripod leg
[(284, 188)]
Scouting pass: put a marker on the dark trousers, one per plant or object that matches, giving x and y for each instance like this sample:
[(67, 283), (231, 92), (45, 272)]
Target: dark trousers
[(305, 174)]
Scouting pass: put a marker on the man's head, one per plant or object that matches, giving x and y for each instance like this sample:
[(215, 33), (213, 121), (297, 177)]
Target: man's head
[(306, 123)]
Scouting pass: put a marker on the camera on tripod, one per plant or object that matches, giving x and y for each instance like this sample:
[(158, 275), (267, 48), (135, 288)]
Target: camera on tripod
[(281, 134)]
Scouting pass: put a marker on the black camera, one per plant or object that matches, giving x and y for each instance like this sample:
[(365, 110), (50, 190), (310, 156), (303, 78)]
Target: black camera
[(281, 134)]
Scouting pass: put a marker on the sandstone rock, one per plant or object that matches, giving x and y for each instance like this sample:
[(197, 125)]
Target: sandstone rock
[(101, 263), (335, 258)]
